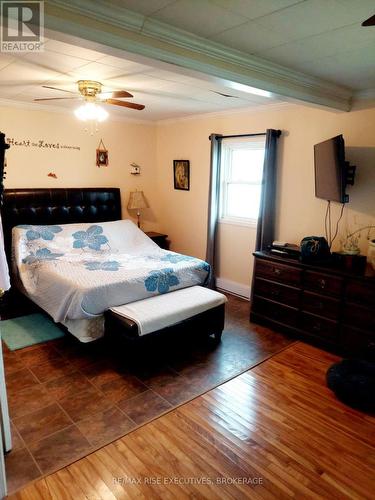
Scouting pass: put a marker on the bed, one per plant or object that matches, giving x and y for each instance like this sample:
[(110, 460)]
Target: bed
[(75, 258)]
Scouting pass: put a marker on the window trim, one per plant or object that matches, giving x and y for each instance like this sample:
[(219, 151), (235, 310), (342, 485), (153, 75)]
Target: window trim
[(238, 221)]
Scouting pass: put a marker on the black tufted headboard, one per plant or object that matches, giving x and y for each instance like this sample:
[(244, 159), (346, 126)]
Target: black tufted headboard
[(58, 206)]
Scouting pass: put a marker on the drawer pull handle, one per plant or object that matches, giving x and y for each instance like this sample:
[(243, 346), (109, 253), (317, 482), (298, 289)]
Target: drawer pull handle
[(322, 283), (277, 271), (320, 305), (275, 293), (317, 327)]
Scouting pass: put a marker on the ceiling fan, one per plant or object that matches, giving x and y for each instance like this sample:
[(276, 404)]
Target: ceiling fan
[(91, 92), (369, 22)]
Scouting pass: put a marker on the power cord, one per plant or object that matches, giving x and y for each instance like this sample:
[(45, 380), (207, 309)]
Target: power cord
[(328, 224), (337, 225)]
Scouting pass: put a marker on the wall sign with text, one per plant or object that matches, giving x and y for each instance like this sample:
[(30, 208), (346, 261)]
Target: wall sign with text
[(41, 144)]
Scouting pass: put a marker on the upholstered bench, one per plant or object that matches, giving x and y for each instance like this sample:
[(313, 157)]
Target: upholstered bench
[(198, 308)]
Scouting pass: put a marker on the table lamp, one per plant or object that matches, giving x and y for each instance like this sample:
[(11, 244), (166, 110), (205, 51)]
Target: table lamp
[(137, 201)]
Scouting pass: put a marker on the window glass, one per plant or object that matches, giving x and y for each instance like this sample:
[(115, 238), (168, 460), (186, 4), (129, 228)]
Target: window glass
[(241, 179), (247, 165), (243, 201)]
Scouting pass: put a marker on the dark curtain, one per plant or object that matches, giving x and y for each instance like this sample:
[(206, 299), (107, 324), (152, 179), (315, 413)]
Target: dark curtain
[(266, 220), (213, 204)]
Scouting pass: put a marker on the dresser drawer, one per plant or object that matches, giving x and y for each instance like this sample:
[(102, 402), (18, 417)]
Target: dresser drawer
[(357, 341), (323, 282), (278, 272), (321, 305), (319, 327), (277, 312), (274, 291), (361, 293), (360, 317)]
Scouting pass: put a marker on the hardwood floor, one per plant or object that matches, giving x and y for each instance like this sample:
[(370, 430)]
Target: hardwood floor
[(274, 432), (67, 399)]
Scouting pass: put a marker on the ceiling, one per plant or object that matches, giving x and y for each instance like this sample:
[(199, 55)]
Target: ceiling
[(166, 94), (323, 38)]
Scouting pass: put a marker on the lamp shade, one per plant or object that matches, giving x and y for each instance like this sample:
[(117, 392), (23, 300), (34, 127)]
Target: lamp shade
[(4, 272), (137, 200)]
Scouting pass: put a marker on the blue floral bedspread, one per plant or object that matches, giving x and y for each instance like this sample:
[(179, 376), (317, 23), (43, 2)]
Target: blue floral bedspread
[(77, 271)]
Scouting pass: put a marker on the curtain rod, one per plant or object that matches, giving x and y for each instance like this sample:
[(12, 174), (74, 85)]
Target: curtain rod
[(219, 137), (241, 135)]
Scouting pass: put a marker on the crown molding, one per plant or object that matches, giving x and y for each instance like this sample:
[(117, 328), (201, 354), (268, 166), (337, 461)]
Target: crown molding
[(115, 27)]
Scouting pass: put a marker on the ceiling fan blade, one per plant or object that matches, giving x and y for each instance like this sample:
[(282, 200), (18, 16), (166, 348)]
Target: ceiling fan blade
[(125, 104), (55, 88), (115, 94), (55, 98), (369, 22)]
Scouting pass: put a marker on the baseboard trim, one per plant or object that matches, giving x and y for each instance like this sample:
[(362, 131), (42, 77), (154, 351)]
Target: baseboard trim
[(233, 287)]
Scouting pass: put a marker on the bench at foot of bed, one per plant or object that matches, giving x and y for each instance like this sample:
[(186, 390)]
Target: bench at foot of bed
[(197, 308)]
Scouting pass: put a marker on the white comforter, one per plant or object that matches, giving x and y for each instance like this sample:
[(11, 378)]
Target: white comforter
[(77, 271)]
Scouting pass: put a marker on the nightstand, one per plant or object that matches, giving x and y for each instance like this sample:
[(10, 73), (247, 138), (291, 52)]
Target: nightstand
[(159, 239)]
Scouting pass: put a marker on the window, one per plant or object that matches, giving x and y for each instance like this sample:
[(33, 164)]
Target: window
[(241, 181)]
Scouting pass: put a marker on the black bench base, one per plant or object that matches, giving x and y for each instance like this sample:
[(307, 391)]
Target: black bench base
[(209, 322)]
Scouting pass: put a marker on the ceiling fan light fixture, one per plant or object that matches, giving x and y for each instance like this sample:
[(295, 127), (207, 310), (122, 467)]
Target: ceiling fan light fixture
[(90, 111)]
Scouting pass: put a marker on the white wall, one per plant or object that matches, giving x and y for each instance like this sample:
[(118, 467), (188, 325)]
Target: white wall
[(126, 142)]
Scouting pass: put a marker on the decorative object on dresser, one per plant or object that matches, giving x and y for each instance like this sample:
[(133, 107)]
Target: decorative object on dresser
[(321, 304), (181, 174), (350, 242), (159, 238), (137, 201)]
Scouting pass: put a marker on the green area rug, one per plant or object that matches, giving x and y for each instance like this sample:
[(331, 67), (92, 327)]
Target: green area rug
[(28, 330)]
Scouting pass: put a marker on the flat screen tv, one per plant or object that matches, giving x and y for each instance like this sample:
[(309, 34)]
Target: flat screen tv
[(330, 171)]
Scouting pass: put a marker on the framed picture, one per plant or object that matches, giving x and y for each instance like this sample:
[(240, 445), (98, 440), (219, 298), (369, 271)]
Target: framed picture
[(181, 174), (101, 157)]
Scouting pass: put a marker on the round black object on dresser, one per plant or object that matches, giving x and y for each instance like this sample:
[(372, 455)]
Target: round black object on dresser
[(353, 382)]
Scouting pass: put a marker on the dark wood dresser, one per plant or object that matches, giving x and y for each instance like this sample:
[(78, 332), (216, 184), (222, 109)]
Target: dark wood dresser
[(332, 308)]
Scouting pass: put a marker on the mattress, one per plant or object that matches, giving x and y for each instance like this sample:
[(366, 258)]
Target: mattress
[(78, 271)]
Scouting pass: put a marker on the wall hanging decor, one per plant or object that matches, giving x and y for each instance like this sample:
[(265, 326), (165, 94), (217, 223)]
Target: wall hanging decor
[(181, 174), (135, 169), (101, 155)]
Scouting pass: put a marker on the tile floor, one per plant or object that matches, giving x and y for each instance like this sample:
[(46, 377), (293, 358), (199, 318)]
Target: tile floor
[(66, 399)]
